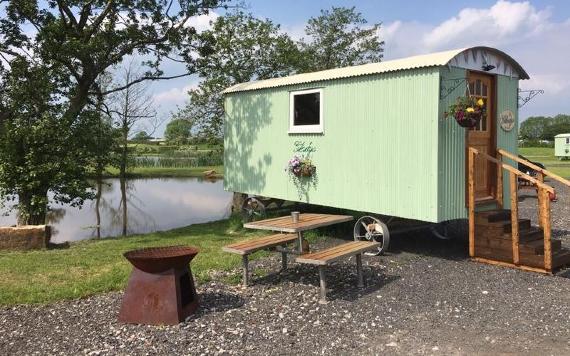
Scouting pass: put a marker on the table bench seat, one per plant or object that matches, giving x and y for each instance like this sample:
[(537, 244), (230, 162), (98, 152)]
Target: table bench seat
[(250, 246), (329, 255), (326, 257), (245, 248)]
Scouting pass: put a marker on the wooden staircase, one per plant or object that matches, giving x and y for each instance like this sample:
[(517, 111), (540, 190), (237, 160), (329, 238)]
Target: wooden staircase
[(499, 236), (494, 241)]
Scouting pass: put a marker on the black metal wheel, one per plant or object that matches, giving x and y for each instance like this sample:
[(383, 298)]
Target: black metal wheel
[(369, 228), (253, 209)]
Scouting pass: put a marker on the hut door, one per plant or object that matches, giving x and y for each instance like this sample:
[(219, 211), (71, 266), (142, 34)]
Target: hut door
[(482, 137)]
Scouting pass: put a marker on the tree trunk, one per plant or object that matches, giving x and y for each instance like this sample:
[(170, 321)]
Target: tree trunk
[(124, 204), (97, 204), (29, 214), (124, 154), (237, 202)]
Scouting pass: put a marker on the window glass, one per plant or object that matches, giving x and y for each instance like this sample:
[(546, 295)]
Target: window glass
[(307, 109)]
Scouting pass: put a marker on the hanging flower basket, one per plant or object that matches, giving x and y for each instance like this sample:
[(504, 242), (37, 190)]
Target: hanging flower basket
[(301, 167), (467, 111)]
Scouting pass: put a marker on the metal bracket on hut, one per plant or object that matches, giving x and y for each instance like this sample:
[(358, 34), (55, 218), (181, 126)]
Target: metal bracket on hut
[(448, 86), (527, 95)]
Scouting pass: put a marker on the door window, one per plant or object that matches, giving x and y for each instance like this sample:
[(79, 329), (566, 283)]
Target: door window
[(480, 90)]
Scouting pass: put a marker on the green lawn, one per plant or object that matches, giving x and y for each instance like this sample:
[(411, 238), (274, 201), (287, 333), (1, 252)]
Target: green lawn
[(545, 155), (91, 267), (161, 172)]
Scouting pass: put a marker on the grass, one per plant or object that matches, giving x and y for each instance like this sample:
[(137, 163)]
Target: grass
[(545, 155), (163, 172), (97, 266)]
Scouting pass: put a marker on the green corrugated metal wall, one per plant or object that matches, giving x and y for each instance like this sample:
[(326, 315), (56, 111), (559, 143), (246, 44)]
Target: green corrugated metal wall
[(451, 182), (378, 152), (386, 148)]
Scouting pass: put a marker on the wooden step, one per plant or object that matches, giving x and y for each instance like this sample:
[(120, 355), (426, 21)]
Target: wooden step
[(492, 216), (503, 226), (538, 246), (561, 258), (535, 247)]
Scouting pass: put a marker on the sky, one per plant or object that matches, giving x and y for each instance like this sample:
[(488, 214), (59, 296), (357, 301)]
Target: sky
[(536, 33)]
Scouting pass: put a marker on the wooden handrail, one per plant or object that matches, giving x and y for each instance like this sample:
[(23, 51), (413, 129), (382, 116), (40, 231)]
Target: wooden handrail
[(512, 169), (534, 167), (543, 200)]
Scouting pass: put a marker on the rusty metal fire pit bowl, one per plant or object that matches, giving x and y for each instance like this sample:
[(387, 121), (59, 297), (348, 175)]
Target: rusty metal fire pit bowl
[(161, 288)]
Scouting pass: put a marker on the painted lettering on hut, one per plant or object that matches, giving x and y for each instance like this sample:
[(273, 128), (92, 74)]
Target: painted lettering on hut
[(304, 147)]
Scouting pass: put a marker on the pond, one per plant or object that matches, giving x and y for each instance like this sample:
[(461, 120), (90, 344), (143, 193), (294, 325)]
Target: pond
[(152, 205)]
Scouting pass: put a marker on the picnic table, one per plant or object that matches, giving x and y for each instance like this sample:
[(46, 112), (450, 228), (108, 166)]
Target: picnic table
[(289, 231), (285, 224)]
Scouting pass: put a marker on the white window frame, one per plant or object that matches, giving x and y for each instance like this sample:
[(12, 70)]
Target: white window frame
[(293, 129)]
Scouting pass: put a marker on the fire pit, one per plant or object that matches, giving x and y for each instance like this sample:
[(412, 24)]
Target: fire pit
[(161, 287)]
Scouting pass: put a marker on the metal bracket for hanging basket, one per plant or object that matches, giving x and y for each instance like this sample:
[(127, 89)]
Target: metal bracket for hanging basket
[(527, 95), (448, 85)]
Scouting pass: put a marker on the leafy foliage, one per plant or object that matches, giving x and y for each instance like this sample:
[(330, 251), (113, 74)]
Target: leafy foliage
[(40, 150), (178, 131), (544, 128), (52, 55), (244, 48), (339, 38)]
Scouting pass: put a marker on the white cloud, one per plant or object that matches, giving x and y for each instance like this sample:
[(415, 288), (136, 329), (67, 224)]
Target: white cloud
[(173, 96), (500, 22), (520, 29), (203, 22)]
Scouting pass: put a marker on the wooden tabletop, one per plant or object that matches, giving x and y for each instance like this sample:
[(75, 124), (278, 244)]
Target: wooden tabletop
[(306, 222)]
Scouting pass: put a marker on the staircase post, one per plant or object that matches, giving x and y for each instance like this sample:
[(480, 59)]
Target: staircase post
[(546, 227), (515, 217), (540, 177), (471, 183), (499, 195)]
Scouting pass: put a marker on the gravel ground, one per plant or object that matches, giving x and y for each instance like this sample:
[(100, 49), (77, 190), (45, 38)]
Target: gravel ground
[(424, 297)]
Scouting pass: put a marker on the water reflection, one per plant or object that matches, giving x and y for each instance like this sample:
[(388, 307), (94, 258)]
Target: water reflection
[(138, 206)]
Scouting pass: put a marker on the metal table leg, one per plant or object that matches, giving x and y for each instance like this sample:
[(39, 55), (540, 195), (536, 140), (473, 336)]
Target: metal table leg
[(323, 281), (300, 235), (359, 270), (245, 262)]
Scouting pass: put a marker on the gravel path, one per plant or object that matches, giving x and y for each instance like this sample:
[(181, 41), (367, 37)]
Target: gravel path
[(424, 297)]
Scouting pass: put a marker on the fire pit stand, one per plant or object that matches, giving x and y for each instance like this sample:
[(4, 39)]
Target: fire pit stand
[(161, 287)]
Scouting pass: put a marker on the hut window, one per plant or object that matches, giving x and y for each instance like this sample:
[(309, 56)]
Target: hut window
[(306, 111), (568, 140)]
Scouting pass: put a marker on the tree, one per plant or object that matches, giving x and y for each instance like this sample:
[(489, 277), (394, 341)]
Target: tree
[(142, 136), (39, 152), (339, 38), (533, 128), (130, 108), (47, 117), (178, 131), (244, 48), (544, 128)]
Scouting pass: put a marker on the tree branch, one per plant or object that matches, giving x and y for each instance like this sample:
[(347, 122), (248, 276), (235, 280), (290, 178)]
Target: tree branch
[(142, 79)]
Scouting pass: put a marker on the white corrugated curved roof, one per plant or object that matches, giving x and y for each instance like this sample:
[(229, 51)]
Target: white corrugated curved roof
[(421, 61), (563, 135)]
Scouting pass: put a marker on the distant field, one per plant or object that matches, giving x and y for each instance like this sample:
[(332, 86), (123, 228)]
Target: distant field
[(545, 155)]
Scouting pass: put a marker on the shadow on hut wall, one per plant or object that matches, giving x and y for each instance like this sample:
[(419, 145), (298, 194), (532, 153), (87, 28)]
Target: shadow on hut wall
[(246, 115)]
